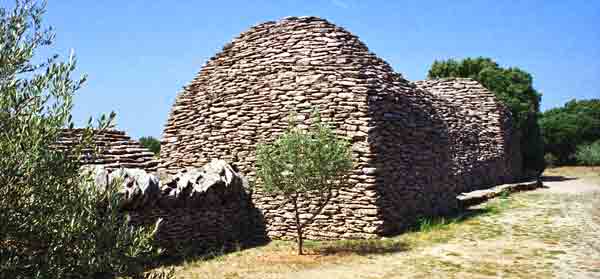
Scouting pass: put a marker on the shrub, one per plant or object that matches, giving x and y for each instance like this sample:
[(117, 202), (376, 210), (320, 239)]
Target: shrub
[(151, 143), (564, 128), (54, 222), (588, 154), (304, 164), (550, 159)]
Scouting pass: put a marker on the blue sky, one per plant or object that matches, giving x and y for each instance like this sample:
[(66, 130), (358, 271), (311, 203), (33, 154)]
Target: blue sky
[(138, 54)]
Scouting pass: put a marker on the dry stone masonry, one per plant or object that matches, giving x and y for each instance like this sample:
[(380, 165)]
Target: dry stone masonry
[(414, 147), (484, 145), (199, 208), (114, 149)]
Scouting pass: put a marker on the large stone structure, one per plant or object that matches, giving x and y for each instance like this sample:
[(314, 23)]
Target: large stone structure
[(414, 147), (114, 149)]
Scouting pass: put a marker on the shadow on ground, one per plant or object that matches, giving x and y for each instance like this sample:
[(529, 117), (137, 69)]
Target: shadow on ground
[(392, 244), (557, 178), (357, 246), (386, 245)]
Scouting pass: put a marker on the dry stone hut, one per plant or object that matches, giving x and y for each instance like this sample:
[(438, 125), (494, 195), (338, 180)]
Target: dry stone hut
[(484, 147), (115, 149), (207, 206), (407, 142)]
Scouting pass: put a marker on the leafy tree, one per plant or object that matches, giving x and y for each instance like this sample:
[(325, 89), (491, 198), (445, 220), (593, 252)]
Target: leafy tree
[(512, 86), (54, 222), (565, 128), (303, 165), (588, 154), (151, 143)]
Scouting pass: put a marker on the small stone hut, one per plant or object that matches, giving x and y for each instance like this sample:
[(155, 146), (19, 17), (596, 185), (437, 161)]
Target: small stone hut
[(415, 146), (485, 149), (114, 149)]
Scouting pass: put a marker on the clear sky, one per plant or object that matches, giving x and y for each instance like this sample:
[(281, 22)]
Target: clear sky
[(139, 53)]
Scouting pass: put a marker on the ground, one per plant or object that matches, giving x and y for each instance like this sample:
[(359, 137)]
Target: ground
[(551, 232)]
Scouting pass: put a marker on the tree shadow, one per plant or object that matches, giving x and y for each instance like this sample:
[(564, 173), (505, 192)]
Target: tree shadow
[(241, 230), (358, 246), (393, 244)]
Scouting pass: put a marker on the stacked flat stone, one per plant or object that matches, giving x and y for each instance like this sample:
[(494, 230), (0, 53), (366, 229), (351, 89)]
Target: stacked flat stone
[(402, 136), (199, 208), (485, 148), (114, 149)]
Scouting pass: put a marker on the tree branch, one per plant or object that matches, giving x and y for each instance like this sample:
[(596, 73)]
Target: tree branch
[(321, 207)]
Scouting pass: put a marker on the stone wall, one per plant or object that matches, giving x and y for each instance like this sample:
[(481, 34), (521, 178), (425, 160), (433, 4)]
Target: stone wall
[(202, 208), (114, 149), (405, 140), (484, 145)]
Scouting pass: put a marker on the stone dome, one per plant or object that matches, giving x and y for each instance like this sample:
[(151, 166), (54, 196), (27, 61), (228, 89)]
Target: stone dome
[(401, 135)]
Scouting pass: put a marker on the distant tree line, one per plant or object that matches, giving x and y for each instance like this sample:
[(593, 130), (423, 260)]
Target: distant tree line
[(572, 133)]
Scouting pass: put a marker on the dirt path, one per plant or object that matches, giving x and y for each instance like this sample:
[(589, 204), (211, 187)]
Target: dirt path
[(546, 233)]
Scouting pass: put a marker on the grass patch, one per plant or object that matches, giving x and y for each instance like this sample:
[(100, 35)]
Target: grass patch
[(431, 224)]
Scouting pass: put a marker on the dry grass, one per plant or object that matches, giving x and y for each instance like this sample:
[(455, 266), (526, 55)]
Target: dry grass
[(526, 235), (574, 171), (279, 257), (276, 257)]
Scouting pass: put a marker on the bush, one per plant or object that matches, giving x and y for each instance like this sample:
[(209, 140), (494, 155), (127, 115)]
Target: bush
[(302, 165), (550, 160), (564, 128), (54, 222), (152, 144), (588, 154)]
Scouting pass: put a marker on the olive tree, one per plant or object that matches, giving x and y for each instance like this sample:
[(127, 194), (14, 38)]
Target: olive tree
[(54, 222), (302, 165)]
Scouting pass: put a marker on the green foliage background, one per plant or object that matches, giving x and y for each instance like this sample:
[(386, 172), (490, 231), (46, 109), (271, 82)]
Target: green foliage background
[(575, 124), (588, 154), (512, 86), (151, 143)]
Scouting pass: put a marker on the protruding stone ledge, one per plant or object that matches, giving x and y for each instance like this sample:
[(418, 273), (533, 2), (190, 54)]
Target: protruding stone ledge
[(480, 196)]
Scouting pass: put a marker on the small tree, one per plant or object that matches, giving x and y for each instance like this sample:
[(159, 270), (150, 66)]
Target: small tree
[(302, 165), (151, 143)]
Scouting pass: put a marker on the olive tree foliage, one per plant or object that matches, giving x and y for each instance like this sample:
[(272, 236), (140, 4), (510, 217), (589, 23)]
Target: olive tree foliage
[(304, 166), (53, 222), (514, 87)]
